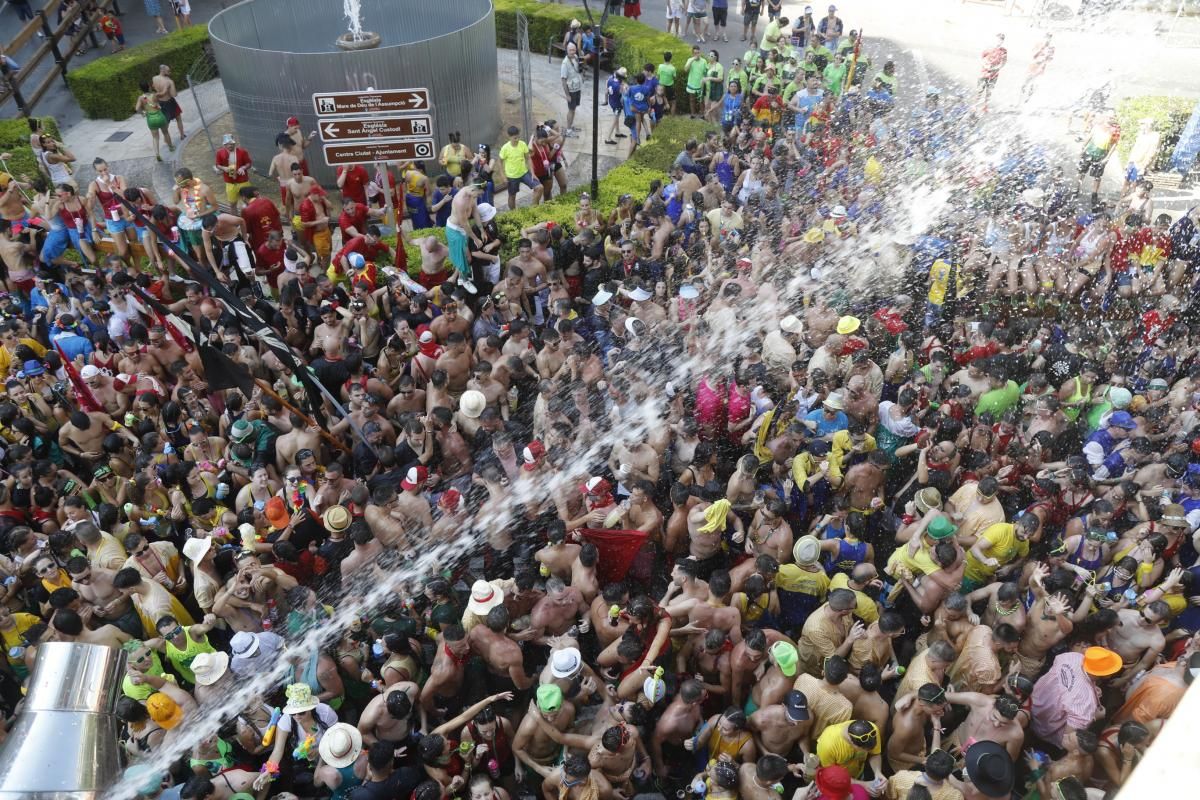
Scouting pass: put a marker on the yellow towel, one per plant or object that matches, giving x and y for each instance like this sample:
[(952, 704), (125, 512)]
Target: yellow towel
[(714, 516)]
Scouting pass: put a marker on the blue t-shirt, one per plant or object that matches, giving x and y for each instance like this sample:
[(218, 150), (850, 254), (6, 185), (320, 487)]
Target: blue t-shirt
[(613, 89), (827, 427), (639, 98), (731, 110)]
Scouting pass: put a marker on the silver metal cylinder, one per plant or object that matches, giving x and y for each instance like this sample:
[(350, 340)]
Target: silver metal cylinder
[(63, 745)]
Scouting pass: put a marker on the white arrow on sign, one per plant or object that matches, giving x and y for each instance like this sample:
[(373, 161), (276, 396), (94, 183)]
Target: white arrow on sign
[(330, 130)]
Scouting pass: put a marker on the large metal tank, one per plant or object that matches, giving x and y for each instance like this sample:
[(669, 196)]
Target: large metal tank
[(274, 54), (63, 745)]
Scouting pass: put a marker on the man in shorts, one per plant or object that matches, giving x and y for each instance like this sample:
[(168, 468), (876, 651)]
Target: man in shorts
[(164, 93), (750, 11), (615, 97), (695, 70), (572, 83), (195, 200), (697, 19), (1101, 144), (232, 163), (518, 167)]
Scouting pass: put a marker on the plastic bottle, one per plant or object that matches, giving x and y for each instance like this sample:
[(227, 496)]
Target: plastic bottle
[(614, 615)]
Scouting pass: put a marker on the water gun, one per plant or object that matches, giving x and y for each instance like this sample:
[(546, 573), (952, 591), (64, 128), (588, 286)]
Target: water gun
[(268, 737), (304, 750)]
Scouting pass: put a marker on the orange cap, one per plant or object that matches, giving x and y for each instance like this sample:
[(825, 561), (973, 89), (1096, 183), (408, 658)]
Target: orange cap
[(277, 513)]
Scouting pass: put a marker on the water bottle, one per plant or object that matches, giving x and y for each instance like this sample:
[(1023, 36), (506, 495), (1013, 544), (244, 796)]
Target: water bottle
[(614, 615), (377, 648)]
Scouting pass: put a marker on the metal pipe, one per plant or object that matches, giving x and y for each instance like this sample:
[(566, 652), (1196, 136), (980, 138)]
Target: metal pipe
[(64, 742)]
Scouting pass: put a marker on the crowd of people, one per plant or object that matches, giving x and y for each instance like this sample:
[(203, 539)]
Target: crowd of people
[(743, 488)]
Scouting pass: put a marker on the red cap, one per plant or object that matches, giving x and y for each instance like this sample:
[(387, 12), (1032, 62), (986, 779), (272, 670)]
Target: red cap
[(533, 454), (834, 782), (293, 121), (415, 478)]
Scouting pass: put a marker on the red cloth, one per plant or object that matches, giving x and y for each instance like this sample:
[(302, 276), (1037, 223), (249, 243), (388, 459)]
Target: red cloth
[(1128, 247), (359, 245), (986, 350), (891, 320), (1154, 325), (262, 217), (617, 549)]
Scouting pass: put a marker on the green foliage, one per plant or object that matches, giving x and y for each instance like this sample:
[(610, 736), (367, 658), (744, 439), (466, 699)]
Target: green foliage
[(637, 43), (1170, 114), (668, 140), (411, 250), (107, 88), (14, 139)]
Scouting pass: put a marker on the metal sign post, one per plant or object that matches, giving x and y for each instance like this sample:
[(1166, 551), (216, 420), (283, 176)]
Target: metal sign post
[(371, 102), (341, 129)]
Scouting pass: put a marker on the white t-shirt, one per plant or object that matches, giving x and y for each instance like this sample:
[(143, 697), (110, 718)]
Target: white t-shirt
[(324, 714)]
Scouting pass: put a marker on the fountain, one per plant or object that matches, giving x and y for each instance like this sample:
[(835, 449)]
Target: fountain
[(274, 55), (356, 38)]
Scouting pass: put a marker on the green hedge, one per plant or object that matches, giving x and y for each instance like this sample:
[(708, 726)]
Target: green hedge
[(1170, 115), (107, 88), (637, 43), (14, 139)]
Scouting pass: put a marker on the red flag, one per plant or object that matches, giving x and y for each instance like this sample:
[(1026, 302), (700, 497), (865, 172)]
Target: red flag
[(87, 400), (174, 332), (618, 549)]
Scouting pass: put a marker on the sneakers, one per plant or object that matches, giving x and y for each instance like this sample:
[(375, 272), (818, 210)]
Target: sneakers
[(468, 285)]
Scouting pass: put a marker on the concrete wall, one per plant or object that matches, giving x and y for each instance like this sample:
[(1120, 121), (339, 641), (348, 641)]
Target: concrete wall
[(274, 54)]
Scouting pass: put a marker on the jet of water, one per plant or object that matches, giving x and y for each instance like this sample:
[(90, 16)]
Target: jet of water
[(353, 11)]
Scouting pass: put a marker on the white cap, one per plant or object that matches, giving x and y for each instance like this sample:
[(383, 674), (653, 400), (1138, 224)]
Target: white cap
[(89, 371), (601, 297), (566, 663)]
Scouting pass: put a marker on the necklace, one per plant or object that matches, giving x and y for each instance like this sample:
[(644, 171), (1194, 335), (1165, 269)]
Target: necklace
[(1004, 612)]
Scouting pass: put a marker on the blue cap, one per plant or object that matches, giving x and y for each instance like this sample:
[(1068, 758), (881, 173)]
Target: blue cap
[(33, 367), (356, 261), (1121, 419)]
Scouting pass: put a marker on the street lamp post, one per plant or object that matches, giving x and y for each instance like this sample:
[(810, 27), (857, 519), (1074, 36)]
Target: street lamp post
[(597, 30)]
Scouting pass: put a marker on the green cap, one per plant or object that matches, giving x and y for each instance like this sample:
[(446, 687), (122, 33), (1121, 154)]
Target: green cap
[(549, 698), (786, 657), (941, 528)]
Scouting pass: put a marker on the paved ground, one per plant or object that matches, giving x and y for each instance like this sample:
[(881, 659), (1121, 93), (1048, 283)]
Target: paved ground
[(138, 27)]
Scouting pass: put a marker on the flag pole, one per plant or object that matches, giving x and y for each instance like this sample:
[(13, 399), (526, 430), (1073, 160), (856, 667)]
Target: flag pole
[(326, 435), (853, 61)]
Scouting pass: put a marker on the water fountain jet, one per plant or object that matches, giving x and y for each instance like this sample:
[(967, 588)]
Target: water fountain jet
[(356, 38)]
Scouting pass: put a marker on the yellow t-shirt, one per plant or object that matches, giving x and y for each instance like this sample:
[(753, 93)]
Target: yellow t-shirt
[(513, 156), (792, 578), (16, 636), (1005, 547), (866, 610), (832, 748), (939, 282)]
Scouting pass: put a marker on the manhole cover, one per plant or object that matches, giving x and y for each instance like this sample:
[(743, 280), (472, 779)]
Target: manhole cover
[(119, 136)]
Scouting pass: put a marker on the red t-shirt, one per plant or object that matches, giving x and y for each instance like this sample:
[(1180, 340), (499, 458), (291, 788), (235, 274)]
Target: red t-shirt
[(355, 186), (985, 350), (891, 320), (110, 25), (1154, 325), (241, 160), (268, 258), (308, 213), (1129, 246), (359, 245), (262, 217), (357, 220)]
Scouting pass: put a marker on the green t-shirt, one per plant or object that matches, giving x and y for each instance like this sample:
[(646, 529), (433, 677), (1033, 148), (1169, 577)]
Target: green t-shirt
[(666, 74), (834, 77), (513, 156), (997, 401), (715, 71), (790, 89), (739, 75), (696, 67)]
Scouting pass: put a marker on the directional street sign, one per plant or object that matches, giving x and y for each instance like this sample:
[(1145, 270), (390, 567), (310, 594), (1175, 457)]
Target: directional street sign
[(371, 101), (391, 127), (366, 151)]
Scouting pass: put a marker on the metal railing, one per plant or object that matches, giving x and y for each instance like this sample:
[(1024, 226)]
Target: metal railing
[(24, 87)]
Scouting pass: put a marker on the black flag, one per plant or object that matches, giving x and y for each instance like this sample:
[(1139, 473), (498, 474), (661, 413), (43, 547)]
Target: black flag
[(249, 321)]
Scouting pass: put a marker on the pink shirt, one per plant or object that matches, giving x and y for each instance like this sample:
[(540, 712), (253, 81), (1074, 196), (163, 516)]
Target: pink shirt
[(1063, 699)]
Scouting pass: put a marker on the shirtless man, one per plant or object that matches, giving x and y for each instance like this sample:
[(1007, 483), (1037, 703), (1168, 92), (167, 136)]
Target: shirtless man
[(705, 536), (864, 482), (281, 169), (67, 626), (906, 744), (102, 603), (83, 434), (532, 746), (615, 750), (780, 727), (561, 608), (631, 458), (714, 612), (685, 589), (164, 93), (136, 360), (113, 402), (677, 725), (608, 627), (1138, 639), (217, 232), (449, 322), (460, 231), (442, 691), (494, 392), (433, 261), (558, 556), (583, 573), (747, 657), (503, 656), (299, 437), (456, 363), (777, 679), (1003, 605), (552, 362), (534, 276), (641, 514), (993, 718), (760, 780), (1049, 622), (163, 349), (411, 508), (388, 717), (388, 528)]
